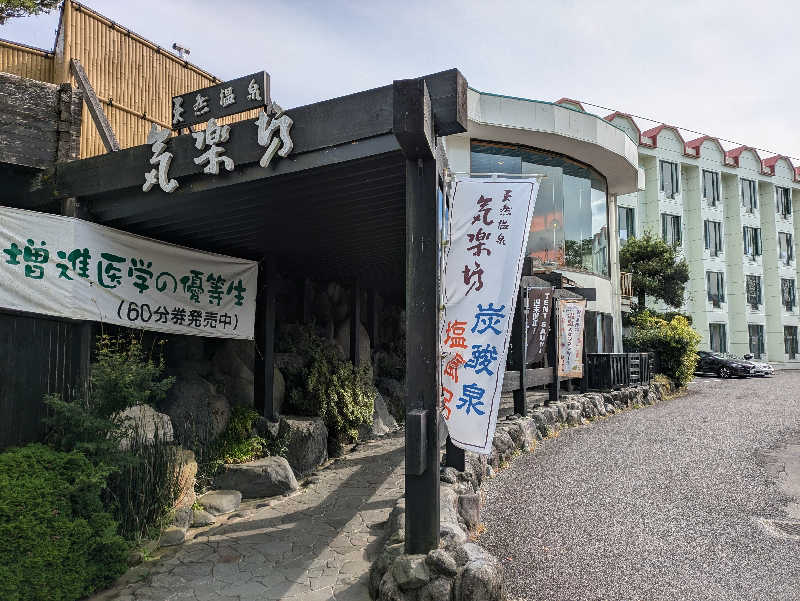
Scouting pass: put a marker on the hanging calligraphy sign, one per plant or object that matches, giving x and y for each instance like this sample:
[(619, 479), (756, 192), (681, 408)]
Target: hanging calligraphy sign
[(540, 301), (70, 268), (227, 98), (570, 337), (488, 233)]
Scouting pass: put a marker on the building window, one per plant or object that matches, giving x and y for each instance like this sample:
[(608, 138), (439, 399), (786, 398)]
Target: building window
[(570, 219), (752, 241), (790, 341), (671, 229), (715, 285), (783, 201), (756, 335), (753, 290), (626, 223), (749, 198), (788, 296), (669, 179), (711, 187), (713, 236), (785, 248), (719, 341)]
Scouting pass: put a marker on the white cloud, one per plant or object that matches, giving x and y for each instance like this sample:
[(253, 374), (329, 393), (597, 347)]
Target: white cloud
[(723, 67)]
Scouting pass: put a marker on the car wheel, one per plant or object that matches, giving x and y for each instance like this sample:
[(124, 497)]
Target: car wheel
[(724, 372)]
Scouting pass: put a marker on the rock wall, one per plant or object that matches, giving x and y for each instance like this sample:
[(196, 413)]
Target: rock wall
[(460, 570)]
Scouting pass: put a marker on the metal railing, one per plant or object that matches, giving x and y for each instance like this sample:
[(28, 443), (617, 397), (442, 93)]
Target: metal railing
[(626, 284), (606, 371)]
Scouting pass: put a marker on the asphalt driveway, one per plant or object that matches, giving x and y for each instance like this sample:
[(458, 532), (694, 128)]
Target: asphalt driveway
[(689, 499)]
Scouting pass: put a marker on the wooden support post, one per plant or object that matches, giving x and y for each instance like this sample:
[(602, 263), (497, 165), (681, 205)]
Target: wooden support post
[(552, 353), (455, 456), (413, 128), (265, 340), (308, 300), (93, 104), (519, 359), (355, 323), (372, 317), (83, 341)]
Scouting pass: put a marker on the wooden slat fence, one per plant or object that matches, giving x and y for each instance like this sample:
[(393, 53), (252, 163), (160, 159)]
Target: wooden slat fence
[(38, 356)]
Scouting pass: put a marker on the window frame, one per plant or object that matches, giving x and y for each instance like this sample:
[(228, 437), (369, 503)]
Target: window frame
[(751, 185), (759, 339), (788, 244), (719, 293), (790, 285), (671, 223), (710, 225), (674, 178), (630, 225), (723, 337), (759, 294), (715, 197), (783, 205), (790, 341), (751, 239)]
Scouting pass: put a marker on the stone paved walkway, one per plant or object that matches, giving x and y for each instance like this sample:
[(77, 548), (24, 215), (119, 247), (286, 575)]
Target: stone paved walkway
[(316, 545)]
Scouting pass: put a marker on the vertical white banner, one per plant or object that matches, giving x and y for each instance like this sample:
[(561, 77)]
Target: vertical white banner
[(570, 337), (489, 224)]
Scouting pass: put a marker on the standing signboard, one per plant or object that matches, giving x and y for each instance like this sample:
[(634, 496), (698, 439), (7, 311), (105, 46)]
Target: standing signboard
[(489, 224), (75, 269), (570, 337), (540, 302)]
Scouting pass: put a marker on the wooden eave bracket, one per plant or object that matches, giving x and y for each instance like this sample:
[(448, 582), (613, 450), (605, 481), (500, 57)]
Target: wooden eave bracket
[(93, 104)]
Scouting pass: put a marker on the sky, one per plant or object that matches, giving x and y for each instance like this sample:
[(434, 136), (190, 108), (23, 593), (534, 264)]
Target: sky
[(722, 68)]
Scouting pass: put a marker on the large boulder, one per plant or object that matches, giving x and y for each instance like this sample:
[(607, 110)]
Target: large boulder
[(480, 580), (267, 477), (197, 410), (144, 423), (342, 338), (306, 442), (233, 369), (382, 421), (219, 502)]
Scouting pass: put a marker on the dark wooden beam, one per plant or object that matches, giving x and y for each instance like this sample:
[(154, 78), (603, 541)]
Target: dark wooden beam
[(95, 109), (308, 300), (413, 129), (519, 357), (327, 129), (355, 323), (373, 317), (265, 340), (455, 456), (552, 353)]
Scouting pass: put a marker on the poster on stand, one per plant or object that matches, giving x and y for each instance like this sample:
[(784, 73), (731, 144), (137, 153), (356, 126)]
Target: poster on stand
[(540, 302), (489, 221), (571, 312), (75, 269)]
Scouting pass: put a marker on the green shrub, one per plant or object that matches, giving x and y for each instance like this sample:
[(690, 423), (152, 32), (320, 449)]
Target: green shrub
[(56, 540), (329, 387), (124, 375), (674, 342), (142, 483)]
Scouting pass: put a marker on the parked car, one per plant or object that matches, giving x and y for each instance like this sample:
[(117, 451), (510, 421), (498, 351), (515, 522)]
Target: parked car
[(763, 368), (725, 366)]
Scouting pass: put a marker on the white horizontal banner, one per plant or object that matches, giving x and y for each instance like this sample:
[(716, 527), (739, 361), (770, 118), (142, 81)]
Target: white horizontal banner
[(489, 224), (70, 268)]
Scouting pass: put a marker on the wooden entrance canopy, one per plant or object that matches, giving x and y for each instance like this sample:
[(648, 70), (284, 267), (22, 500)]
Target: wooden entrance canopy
[(355, 201)]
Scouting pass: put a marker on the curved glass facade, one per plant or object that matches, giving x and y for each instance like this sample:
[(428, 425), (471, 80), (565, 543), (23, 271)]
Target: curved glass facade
[(570, 221)]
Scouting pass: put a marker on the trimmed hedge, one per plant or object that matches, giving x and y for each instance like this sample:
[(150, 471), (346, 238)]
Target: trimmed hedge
[(56, 540)]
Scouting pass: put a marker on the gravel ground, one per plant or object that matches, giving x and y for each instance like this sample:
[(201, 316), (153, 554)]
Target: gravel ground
[(659, 503)]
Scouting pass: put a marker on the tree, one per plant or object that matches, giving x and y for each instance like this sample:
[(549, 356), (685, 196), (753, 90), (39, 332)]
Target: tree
[(10, 9), (655, 269)]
